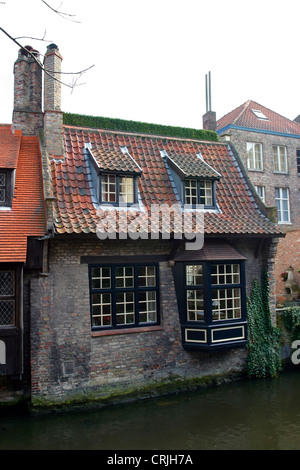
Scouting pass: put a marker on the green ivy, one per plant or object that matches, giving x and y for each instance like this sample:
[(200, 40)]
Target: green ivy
[(291, 320), (138, 127), (263, 358)]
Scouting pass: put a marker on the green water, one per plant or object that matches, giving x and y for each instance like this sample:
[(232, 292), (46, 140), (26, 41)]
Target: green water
[(251, 415)]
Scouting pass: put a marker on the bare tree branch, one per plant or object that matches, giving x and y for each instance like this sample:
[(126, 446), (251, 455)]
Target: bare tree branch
[(48, 72), (60, 13)]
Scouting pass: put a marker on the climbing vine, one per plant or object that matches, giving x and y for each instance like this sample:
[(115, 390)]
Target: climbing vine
[(263, 358), (291, 320)]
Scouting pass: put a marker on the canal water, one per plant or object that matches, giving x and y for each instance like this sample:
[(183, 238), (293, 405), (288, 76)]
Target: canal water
[(247, 415)]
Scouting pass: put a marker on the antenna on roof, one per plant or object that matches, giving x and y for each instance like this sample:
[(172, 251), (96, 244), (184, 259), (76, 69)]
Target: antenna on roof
[(208, 91), (209, 118)]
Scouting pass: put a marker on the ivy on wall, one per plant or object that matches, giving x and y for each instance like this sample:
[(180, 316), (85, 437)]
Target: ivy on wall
[(291, 320), (263, 358), (138, 127)]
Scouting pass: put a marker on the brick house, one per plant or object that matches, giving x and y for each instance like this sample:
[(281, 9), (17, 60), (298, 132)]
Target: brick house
[(269, 146), (148, 248)]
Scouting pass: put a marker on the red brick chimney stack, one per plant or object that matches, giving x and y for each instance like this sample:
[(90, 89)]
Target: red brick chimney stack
[(53, 116), (27, 113)]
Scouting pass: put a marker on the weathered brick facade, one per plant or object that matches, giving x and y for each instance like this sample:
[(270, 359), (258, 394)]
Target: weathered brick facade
[(68, 360)]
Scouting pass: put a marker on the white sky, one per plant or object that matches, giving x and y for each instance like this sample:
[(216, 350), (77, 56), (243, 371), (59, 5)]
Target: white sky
[(151, 56)]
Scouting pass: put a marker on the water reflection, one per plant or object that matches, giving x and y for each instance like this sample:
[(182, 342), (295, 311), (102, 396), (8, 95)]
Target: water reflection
[(248, 415)]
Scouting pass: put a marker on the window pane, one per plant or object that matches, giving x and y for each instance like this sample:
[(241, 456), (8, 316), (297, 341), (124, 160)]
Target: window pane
[(206, 193), (7, 287), (254, 156), (101, 310), (109, 188), (125, 308), (147, 276), (191, 192), (194, 275), (126, 189), (147, 306), (2, 179), (124, 277), (101, 278), (226, 304), (225, 274), (195, 305)]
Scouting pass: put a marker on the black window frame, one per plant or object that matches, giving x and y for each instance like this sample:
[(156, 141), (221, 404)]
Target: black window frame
[(118, 176), (207, 287), (201, 334), (7, 186), (298, 161), (199, 181), (113, 290)]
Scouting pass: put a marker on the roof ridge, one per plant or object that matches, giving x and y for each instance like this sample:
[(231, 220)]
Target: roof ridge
[(141, 134)]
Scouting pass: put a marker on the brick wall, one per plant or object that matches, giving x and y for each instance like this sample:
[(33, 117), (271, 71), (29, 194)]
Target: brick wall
[(66, 358), (288, 254)]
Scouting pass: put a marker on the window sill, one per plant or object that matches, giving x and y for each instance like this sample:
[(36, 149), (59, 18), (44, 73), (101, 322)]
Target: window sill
[(125, 331)]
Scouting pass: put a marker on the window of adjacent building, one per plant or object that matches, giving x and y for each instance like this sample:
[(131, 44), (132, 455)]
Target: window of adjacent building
[(261, 192), (298, 161), (124, 296), (254, 156), (199, 192), (213, 293), (280, 159), (5, 188), (283, 205), (258, 113), (116, 188), (7, 298)]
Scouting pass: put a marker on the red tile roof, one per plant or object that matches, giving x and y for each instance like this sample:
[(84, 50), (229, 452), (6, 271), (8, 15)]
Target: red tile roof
[(27, 216), (243, 116), (75, 211), (9, 147)]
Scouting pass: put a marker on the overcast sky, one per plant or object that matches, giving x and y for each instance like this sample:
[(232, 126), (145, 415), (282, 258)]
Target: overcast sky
[(150, 57)]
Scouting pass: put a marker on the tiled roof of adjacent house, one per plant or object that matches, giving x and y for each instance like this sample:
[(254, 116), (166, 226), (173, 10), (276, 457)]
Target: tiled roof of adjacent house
[(246, 116), (27, 216), (9, 147), (75, 211)]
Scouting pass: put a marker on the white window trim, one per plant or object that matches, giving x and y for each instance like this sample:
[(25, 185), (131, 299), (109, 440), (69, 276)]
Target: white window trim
[(280, 211)]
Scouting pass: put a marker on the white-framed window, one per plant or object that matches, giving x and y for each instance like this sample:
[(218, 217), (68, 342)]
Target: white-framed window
[(254, 156), (280, 158), (261, 192), (283, 205)]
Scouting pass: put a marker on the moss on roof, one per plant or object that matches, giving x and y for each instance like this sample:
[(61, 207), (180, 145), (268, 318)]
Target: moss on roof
[(138, 127)]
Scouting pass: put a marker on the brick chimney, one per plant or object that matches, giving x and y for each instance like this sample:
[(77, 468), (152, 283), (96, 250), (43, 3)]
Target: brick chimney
[(27, 113), (53, 116)]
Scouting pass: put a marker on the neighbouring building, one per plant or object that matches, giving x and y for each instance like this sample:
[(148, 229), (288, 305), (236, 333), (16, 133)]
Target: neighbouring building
[(269, 146), (139, 250)]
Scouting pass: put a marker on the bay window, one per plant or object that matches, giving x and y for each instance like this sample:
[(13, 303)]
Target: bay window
[(212, 303)]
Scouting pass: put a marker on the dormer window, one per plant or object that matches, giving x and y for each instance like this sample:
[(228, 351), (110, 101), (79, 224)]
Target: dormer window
[(194, 179), (5, 188), (117, 189), (199, 192)]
